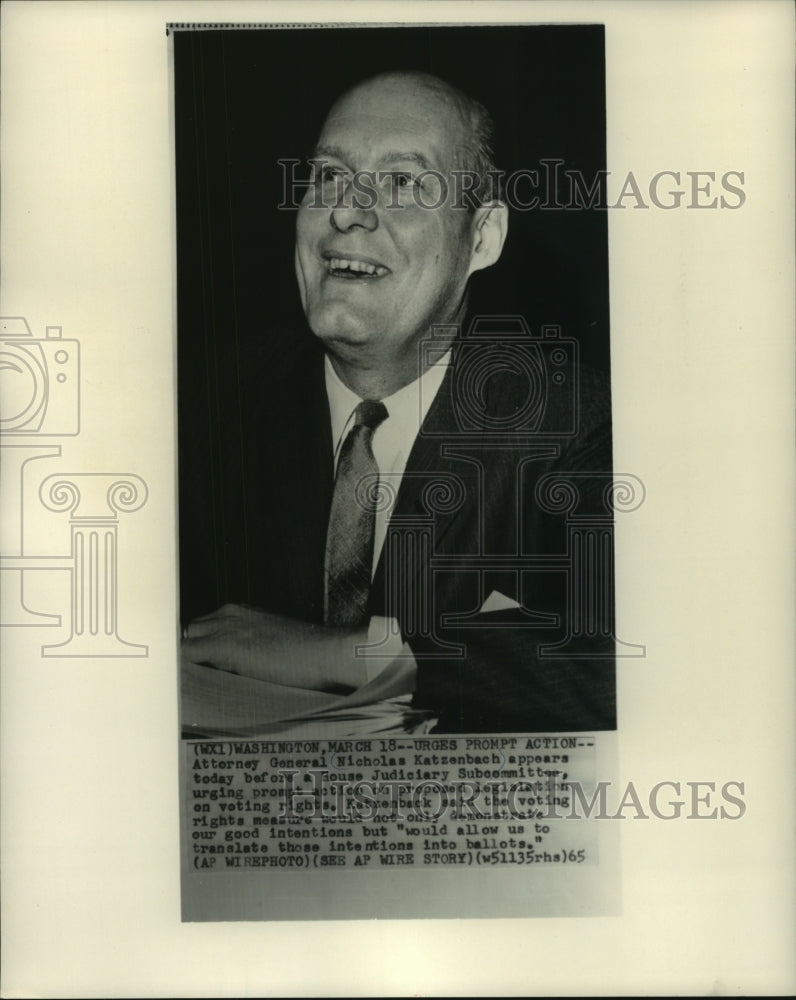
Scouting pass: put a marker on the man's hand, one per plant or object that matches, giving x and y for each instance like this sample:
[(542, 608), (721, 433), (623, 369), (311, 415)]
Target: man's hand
[(281, 650)]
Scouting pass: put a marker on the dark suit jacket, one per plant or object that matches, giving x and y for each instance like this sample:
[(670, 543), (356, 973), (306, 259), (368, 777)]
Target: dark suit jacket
[(486, 504)]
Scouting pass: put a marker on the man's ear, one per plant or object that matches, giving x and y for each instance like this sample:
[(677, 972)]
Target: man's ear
[(490, 225)]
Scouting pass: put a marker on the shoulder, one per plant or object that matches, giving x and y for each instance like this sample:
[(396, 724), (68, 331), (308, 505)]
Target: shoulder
[(516, 380), (594, 397)]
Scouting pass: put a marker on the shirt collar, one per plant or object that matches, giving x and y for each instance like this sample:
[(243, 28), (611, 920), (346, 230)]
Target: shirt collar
[(406, 408)]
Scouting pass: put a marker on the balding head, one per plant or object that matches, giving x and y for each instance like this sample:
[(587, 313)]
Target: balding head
[(472, 132)]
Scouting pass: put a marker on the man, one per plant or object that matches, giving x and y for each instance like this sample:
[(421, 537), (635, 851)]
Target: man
[(398, 520)]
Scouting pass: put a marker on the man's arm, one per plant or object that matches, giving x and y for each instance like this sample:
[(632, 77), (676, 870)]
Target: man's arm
[(273, 648)]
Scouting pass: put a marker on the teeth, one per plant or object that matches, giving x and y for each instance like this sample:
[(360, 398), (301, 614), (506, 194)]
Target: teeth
[(344, 264)]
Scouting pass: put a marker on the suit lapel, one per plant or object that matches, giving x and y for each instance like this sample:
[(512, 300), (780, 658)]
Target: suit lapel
[(428, 466), (431, 487)]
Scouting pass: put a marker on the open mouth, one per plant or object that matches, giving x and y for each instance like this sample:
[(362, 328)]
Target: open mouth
[(353, 268)]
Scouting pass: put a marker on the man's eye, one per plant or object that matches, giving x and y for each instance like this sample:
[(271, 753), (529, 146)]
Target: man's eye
[(402, 180), (329, 174)]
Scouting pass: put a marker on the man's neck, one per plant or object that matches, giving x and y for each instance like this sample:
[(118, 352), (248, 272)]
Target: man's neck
[(382, 381), (378, 378)]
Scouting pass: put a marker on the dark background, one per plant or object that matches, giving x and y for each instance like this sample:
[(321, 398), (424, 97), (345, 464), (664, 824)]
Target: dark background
[(245, 99)]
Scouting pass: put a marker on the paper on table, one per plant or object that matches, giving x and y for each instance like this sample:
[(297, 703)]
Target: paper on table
[(217, 703)]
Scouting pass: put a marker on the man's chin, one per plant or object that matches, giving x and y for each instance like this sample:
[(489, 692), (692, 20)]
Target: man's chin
[(341, 326)]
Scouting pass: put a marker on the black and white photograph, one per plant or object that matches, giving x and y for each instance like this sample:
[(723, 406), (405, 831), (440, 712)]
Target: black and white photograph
[(396, 501), (394, 388)]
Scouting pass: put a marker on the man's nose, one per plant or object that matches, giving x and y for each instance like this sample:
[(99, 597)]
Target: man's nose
[(354, 209)]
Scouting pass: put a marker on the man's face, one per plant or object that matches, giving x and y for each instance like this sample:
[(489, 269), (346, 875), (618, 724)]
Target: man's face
[(376, 269)]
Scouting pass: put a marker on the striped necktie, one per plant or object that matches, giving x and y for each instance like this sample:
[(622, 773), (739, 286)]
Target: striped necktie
[(352, 519)]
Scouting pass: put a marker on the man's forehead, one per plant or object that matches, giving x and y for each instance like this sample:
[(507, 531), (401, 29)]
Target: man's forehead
[(382, 122)]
